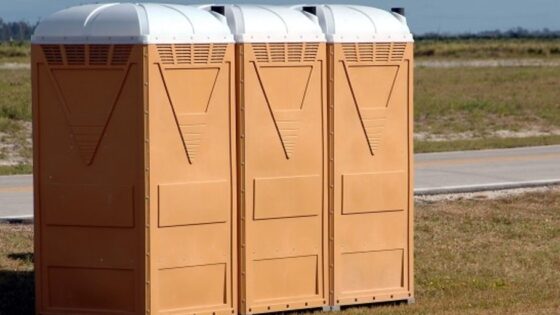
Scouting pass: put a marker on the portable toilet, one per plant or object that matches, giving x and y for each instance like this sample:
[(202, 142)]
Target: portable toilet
[(281, 110), (134, 161), (370, 67)]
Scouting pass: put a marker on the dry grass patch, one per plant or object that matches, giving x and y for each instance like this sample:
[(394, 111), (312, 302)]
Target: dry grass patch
[(15, 117), (484, 143), (487, 48), (485, 100), (17, 52)]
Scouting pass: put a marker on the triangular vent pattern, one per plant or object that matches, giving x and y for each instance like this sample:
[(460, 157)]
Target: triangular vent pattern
[(87, 109), (189, 92), (285, 89), (371, 88)]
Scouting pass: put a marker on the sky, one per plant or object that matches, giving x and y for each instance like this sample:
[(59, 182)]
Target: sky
[(441, 16)]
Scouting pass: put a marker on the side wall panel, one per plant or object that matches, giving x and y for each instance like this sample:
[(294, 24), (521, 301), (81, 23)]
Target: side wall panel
[(88, 165)]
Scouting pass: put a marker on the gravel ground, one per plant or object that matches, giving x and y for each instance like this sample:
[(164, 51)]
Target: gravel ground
[(14, 66), (496, 194)]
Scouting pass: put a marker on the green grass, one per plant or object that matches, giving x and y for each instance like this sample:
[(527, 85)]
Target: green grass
[(15, 112), (487, 48), (15, 94), (483, 143), (16, 169), (472, 257), (17, 52), (483, 100)]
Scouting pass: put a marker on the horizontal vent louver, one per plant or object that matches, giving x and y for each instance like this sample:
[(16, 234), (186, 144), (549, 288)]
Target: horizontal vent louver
[(286, 52), (75, 54), (121, 54), (177, 54), (370, 52), (83, 55), (53, 55), (99, 54)]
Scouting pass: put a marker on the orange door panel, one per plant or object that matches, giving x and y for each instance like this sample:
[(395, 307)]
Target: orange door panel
[(371, 119), (192, 179), (282, 152)]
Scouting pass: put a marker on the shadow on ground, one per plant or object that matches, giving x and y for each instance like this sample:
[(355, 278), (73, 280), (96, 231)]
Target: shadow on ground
[(27, 257), (17, 295)]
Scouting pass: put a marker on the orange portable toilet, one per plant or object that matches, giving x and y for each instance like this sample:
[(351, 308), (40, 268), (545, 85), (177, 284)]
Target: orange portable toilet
[(370, 68), (134, 157), (281, 108)]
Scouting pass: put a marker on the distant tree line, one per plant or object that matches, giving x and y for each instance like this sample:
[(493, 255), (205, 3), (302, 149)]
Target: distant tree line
[(22, 31), (15, 31), (518, 32)]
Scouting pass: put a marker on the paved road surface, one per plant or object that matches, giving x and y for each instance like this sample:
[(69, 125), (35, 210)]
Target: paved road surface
[(465, 171), (435, 173), (16, 196)]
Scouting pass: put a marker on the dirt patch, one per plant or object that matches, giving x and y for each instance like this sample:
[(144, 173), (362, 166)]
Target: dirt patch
[(14, 66), (16, 145), (426, 136)]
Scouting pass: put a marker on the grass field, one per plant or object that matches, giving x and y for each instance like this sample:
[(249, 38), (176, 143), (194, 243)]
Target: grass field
[(487, 48), (496, 256), (479, 102), (15, 117), (482, 144), (14, 52), (482, 100)]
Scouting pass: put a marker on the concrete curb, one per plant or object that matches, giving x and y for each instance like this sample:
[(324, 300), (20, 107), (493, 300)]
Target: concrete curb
[(484, 187), (27, 219)]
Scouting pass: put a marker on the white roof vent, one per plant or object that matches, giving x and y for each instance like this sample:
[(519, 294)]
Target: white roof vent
[(353, 23), (268, 23), (120, 23)]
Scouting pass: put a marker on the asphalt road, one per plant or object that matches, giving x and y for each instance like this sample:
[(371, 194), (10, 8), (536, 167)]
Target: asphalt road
[(16, 196), (466, 171), (436, 173)]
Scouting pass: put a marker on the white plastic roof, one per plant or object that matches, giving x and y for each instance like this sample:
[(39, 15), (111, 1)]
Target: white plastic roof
[(353, 23), (269, 23), (133, 23)]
